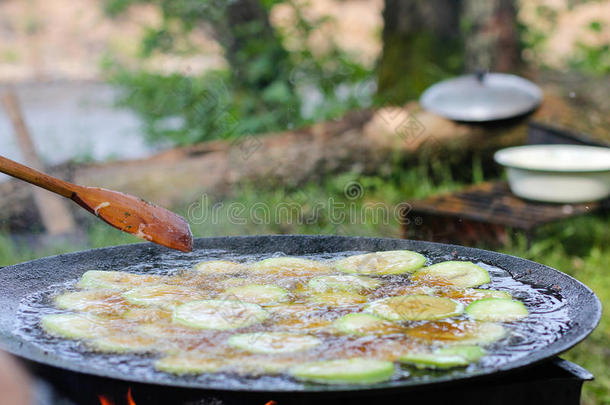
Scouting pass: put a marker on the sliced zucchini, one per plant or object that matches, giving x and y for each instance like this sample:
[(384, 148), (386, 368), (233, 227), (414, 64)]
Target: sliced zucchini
[(485, 333), (234, 282), (258, 365), (101, 302), (415, 308), (456, 273), (289, 266), (337, 298), (218, 267), (364, 324), (115, 280), (468, 295), (219, 314), (258, 294), (389, 262), (74, 326), (497, 310), (147, 314), (164, 296), (458, 332), (292, 310), (356, 284), (273, 342), (165, 330), (449, 357), (189, 363), (433, 360), (470, 353), (389, 349), (485, 293), (411, 289), (344, 371), (307, 324), (120, 343)]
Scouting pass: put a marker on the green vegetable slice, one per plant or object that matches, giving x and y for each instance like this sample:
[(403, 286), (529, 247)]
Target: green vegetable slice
[(289, 266), (364, 324), (344, 371), (74, 326), (259, 294), (468, 295), (415, 308), (389, 262), (188, 363), (343, 283), (218, 267), (433, 360), (165, 330), (470, 353), (123, 344), (457, 332), (115, 280), (164, 296), (459, 356), (497, 310), (147, 314), (258, 365), (485, 333), (456, 273), (219, 314), (337, 298), (485, 293), (273, 342), (102, 302)]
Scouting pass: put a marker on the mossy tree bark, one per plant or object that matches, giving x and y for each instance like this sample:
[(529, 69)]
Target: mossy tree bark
[(421, 45), (425, 41), (491, 36), (254, 50)]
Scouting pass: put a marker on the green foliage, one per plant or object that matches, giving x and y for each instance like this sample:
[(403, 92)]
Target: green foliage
[(264, 89), (591, 59), (585, 58)]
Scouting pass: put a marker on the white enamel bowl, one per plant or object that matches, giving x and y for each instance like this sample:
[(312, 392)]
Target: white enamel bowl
[(557, 173)]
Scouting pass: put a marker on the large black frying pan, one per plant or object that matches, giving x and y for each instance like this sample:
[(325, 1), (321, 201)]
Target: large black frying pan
[(17, 282)]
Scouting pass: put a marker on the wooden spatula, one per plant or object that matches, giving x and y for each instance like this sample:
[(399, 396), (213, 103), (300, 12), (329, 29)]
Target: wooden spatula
[(125, 212)]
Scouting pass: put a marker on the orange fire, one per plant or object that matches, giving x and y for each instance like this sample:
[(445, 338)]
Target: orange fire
[(130, 400), (104, 400)]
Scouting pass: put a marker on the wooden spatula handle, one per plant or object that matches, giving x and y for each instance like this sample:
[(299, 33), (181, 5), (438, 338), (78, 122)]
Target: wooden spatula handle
[(35, 177)]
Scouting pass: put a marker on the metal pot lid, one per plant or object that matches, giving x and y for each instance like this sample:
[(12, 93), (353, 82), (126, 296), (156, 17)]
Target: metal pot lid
[(482, 97)]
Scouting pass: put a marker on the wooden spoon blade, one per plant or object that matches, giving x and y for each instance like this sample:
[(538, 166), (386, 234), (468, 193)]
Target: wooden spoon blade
[(136, 216)]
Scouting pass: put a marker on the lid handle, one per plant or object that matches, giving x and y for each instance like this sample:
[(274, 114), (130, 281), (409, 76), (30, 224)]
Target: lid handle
[(480, 74)]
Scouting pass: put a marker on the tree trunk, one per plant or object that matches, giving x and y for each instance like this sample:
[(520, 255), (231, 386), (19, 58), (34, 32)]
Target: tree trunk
[(425, 41), (252, 41), (421, 45), (491, 37)]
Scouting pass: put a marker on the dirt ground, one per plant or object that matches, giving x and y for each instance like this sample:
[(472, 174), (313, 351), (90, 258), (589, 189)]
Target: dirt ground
[(66, 40)]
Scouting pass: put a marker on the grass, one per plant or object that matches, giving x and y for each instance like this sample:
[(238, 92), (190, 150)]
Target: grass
[(360, 205)]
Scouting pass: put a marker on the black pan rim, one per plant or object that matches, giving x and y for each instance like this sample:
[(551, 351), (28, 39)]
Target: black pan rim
[(568, 340)]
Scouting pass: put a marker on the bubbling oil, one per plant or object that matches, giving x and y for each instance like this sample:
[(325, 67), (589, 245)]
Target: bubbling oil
[(547, 321)]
